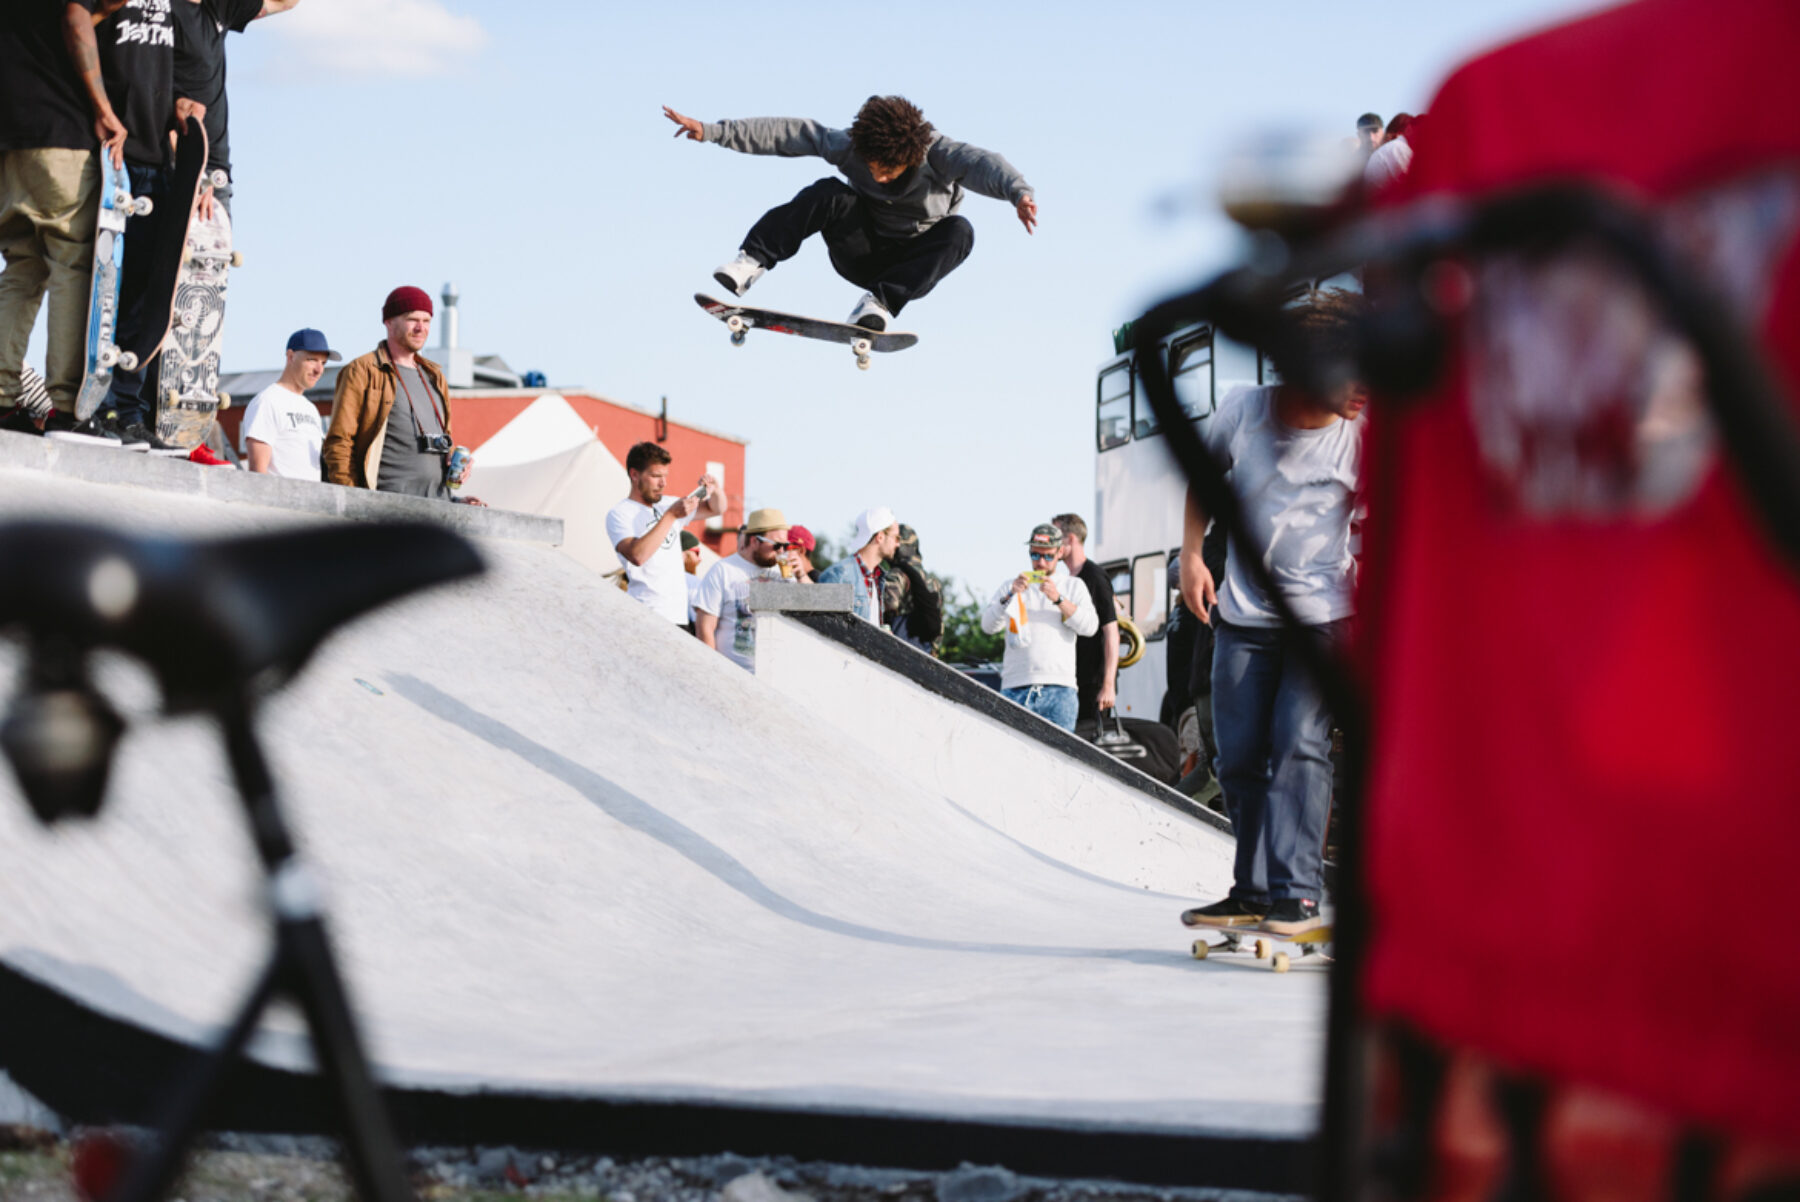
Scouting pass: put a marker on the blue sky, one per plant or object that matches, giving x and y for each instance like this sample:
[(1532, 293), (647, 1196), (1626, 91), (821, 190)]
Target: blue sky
[(519, 149)]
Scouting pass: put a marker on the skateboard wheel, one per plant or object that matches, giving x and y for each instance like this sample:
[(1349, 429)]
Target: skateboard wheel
[(142, 206), (220, 179), (862, 347), (170, 397), (109, 356), (128, 360), (1262, 949), (237, 258), (736, 324), (224, 399), (121, 199), (1201, 948), (1281, 961), (737, 338), (862, 362)]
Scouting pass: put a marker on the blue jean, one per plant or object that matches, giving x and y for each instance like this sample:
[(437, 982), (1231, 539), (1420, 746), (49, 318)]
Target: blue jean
[(1052, 702), (1274, 737)]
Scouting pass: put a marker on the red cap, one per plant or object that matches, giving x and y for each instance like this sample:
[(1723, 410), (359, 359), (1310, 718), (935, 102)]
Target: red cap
[(801, 536), (406, 299)]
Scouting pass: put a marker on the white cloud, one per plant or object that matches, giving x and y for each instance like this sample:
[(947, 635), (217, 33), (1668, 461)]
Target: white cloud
[(375, 38)]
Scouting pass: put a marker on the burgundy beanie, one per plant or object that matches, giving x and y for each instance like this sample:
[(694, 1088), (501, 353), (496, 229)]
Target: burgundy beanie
[(406, 300)]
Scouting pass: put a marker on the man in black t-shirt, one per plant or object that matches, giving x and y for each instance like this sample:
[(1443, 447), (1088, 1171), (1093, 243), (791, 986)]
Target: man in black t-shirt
[(200, 29), (137, 57), (53, 110), (1097, 654)]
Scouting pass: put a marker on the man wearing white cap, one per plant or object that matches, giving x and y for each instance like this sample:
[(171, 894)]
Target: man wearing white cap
[(1043, 611), (877, 537), (722, 616)]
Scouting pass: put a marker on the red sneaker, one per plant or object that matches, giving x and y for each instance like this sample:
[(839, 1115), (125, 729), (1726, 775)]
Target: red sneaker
[(203, 454)]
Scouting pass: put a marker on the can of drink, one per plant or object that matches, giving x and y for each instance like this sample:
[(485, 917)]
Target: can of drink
[(458, 466)]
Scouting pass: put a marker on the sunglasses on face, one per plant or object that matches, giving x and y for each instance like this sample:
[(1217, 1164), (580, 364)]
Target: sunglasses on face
[(778, 546), (1037, 555)]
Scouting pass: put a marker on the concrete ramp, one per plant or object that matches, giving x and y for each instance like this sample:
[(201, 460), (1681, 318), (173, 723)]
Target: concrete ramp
[(594, 885)]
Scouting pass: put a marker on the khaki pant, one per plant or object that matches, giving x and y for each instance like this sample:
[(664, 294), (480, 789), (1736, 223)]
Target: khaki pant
[(49, 200)]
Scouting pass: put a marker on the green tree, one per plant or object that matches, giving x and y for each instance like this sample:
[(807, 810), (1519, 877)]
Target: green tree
[(964, 641)]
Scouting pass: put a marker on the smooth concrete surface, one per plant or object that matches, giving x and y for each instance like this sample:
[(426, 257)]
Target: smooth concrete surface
[(1013, 783), (110, 466), (570, 850)]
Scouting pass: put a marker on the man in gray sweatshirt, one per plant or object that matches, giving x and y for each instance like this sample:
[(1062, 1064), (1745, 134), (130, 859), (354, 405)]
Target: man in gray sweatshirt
[(892, 228)]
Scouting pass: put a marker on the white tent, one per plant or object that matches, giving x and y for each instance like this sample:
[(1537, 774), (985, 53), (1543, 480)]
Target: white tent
[(547, 460)]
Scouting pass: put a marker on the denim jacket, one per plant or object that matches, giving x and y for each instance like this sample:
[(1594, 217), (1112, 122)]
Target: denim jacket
[(865, 602)]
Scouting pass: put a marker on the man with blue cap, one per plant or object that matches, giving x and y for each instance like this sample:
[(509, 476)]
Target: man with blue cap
[(282, 432)]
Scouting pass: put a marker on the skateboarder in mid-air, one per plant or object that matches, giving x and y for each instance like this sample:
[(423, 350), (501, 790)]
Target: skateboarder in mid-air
[(892, 228)]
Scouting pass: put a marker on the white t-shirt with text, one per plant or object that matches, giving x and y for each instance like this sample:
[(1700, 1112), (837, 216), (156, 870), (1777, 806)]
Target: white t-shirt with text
[(725, 593), (1299, 490), (661, 582), (290, 424)]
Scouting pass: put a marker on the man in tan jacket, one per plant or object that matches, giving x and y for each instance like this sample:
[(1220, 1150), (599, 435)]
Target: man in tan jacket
[(390, 417)]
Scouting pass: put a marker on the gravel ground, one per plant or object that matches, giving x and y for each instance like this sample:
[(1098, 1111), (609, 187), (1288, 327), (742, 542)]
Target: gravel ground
[(35, 1165)]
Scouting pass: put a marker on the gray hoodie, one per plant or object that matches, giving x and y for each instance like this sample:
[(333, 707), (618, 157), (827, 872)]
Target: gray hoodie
[(911, 204)]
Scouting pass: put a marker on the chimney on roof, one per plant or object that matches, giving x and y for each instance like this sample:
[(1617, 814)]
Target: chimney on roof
[(451, 296), (458, 364)]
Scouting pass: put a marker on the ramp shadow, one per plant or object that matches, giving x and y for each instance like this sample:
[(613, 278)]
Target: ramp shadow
[(634, 812)]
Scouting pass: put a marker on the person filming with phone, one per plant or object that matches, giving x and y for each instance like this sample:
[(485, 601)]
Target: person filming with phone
[(1043, 610)]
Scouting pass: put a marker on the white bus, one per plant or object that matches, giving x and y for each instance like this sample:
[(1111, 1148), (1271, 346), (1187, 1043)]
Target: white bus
[(1135, 532)]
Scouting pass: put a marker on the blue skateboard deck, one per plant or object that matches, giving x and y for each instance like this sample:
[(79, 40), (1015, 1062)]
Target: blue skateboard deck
[(116, 205)]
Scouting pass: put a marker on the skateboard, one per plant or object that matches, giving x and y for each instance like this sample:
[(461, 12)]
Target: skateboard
[(1263, 941), (741, 319), (116, 205), (188, 396)]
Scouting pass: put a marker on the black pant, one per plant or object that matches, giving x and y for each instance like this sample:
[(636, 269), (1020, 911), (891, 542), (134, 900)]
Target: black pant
[(896, 270)]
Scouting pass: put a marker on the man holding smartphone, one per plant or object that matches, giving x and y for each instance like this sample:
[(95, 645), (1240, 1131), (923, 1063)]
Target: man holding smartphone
[(1043, 611), (645, 529)]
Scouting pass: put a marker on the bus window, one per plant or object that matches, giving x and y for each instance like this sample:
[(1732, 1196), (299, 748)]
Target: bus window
[(1190, 365), (1234, 365), (1150, 594), (1114, 427), (1119, 576)]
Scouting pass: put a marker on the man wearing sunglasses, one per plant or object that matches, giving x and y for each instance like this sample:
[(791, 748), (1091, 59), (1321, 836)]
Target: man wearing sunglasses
[(1043, 611), (722, 616)]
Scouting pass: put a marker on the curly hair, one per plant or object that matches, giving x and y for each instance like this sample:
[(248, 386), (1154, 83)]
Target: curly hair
[(891, 131)]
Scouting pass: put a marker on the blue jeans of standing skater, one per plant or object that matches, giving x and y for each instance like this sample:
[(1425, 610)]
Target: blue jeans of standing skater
[(1052, 702), (1274, 736)]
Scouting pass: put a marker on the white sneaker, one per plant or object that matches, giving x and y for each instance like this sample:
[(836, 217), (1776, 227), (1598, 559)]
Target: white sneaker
[(870, 314), (737, 276)]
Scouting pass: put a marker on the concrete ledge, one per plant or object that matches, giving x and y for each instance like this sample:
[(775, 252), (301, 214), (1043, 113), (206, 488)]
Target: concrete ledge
[(784, 596), (104, 465)]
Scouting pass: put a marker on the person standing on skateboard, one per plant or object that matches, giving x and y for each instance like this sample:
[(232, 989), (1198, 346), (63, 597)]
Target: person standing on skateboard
[(893, 227), (1296, 466)]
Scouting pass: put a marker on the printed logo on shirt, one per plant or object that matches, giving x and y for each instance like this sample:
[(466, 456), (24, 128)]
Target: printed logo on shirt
[(153, 30), (1584, 401)]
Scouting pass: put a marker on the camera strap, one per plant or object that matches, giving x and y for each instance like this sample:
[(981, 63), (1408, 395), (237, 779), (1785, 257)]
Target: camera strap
[(443, 421)]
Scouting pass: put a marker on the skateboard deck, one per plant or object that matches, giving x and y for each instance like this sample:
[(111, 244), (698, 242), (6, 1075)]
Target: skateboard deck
[(741, 319), (1262, 941), (188, 396), (169, 246), (116, 205)]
